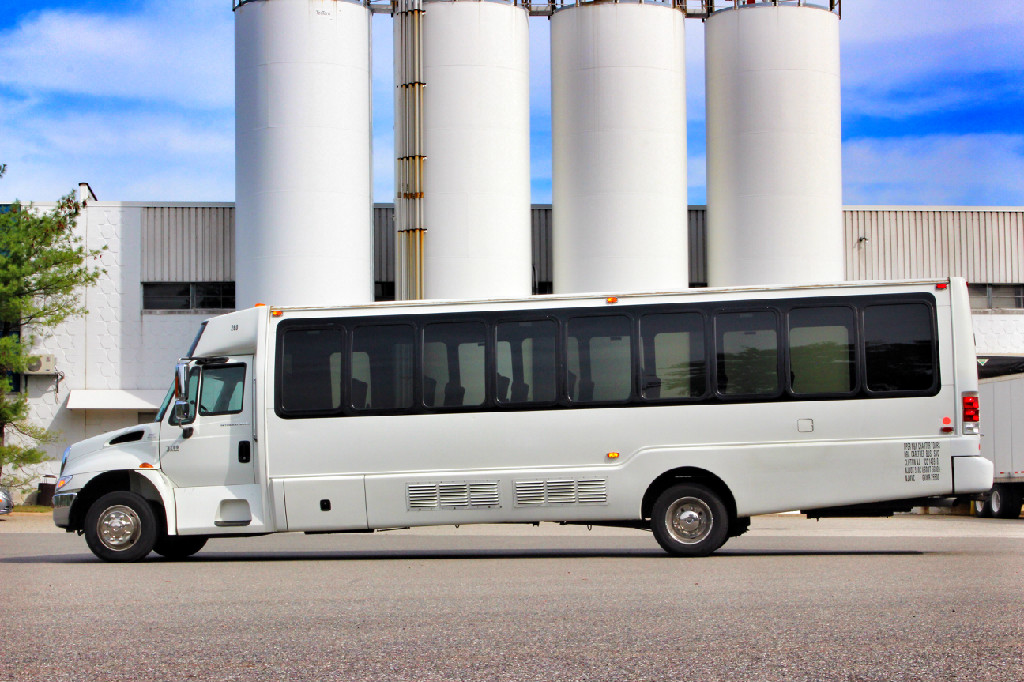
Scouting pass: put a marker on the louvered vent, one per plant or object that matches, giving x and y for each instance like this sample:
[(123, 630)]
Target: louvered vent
[(561, 491), (453, 495)]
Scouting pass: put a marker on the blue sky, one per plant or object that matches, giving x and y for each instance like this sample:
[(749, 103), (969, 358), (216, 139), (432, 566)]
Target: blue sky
[(136, 98)]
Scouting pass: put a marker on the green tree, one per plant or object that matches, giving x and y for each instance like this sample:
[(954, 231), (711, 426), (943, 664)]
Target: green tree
[(43, 266)]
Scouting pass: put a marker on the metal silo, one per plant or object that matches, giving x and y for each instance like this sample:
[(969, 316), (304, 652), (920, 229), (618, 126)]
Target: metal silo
[(476, 140), (302, 152), (619, 144), (773, 145)]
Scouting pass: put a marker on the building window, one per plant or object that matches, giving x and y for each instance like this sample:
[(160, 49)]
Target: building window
[(188, 295), (996, 296)]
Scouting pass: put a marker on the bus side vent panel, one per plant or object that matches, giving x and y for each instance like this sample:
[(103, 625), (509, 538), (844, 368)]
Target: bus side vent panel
[(452, 495), (561, 491)]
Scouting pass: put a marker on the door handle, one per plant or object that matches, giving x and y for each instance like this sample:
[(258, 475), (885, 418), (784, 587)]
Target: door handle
[(244, 452)]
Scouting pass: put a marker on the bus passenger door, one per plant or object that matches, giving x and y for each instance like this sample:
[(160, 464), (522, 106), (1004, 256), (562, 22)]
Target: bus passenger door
[(211, 455)]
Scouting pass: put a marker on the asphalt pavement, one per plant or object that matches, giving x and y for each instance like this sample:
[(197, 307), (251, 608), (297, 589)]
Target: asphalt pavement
[(908, 598)]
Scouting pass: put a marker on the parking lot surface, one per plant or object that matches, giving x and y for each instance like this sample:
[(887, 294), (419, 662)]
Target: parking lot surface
[(908, 598)]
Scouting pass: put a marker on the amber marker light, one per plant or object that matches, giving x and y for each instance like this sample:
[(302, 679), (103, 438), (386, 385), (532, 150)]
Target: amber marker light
[(612, 299), (260, 305), (146, 465), (276, 313), (613, 455)]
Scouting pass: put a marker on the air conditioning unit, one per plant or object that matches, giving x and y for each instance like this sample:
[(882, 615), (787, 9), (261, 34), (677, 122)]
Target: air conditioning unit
[(42, 364)]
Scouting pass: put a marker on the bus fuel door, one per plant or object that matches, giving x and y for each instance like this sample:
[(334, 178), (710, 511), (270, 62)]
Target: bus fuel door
[(805, 425)]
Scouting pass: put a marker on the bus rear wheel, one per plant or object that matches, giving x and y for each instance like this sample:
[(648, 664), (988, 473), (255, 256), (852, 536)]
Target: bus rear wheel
[(690, 520), (120, 527)]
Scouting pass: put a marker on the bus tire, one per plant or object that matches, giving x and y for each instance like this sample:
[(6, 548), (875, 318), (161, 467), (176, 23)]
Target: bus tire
[(175, 547), (690, 520), (1005, 502), (120, 527)]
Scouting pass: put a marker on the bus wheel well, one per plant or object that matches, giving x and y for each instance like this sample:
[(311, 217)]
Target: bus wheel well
[(109, 482), (687, 475)]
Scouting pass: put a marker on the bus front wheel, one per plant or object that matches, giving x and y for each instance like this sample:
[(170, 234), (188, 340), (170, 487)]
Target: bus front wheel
[(690, 520), (120, 526)]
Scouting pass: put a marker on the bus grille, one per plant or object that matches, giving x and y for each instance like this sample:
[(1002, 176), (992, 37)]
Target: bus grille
[(453, 495), (561, 491)]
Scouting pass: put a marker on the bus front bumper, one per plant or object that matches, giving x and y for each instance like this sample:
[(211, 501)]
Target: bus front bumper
[(972, 475), (62, 509)]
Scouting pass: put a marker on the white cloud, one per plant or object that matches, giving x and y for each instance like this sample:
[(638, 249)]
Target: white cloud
[(123, 156), (921, 58), (179, 52), (935, 170)]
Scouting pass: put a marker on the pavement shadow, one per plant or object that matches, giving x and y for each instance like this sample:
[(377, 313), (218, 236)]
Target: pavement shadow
[(460, 554)]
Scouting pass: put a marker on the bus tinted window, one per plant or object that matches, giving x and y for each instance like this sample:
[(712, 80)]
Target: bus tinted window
[(311, 370), (672, 356), (748, 351), (599, 359), (822, 350), (382, 367), (525, 362), (222, 390), (454, 364), (899, 346)]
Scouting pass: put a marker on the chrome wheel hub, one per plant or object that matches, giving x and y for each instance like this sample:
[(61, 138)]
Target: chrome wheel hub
[(689, 520), (118, 527)]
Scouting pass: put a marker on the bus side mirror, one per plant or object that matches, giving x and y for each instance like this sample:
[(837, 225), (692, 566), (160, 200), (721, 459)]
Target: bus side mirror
[(180, 382), (180, 411)]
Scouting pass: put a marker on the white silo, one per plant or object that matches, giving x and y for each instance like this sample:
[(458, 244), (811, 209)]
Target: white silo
[(773, 145), (618, 77), (302, 152), (476, 139)]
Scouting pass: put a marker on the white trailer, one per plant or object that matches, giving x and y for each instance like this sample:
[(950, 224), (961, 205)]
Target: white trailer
[(1002, 442), (682, 413)]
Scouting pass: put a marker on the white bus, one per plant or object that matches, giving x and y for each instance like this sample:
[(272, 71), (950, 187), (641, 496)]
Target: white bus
[(684, 413)]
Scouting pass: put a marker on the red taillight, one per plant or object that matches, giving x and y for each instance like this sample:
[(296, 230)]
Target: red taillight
[(971, 408), (971, 414)]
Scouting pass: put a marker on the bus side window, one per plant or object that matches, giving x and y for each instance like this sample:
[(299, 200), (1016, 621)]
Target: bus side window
[(899, 347), (454, 364), (822, 351), (223, 389), (525, 361), (310, 372), (672, 356), (383, 358), (599, 354), (747, 345)]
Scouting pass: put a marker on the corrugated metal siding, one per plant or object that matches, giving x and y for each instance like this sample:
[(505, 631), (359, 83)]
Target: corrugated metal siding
[(196, 243), (698, 245), (383, 243), (188, 244), (540, 219), (983, 245)]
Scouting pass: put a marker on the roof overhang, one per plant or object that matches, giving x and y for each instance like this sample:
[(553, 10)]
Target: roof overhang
[(115, 399)]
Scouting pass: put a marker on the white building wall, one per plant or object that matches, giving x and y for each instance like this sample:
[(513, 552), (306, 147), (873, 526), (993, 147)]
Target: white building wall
[(999, 333), (116, 345)]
